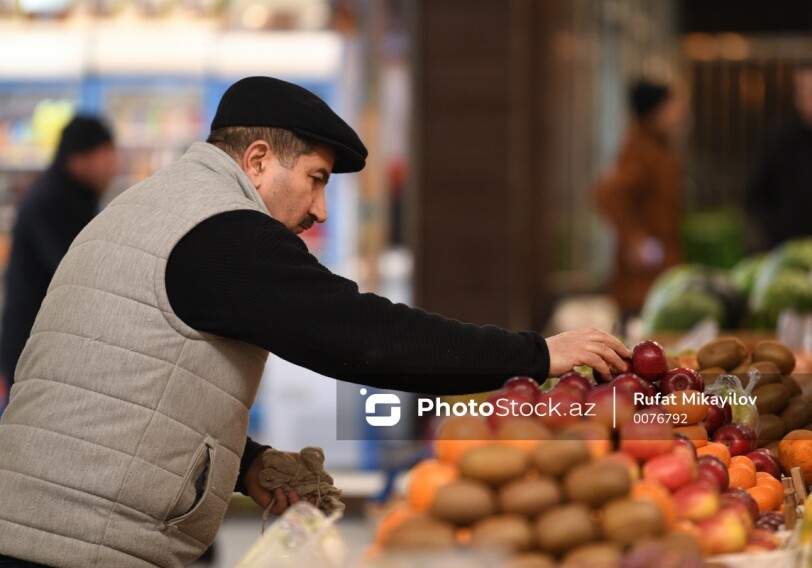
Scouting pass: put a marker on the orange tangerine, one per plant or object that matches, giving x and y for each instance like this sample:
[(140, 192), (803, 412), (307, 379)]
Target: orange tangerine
[(766, 497), (660, 496), (391, 520), (743, 460), (764, 478), (426, 477), (687, 405), (715, 449), (694, 432), (741, 476)]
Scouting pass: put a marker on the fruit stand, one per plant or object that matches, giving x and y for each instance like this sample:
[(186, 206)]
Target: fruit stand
[(680, 460)]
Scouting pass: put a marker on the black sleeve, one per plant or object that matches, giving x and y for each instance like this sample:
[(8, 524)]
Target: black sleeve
[(251, 451), (245, 276)]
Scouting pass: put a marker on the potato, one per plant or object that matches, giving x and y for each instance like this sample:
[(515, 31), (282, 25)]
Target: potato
[(724, 352), (463, 502), (626, 521), (529, 497), (777, 352), (493, 465)]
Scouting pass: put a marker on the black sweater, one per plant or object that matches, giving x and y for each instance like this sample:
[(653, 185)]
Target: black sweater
[(245, 276)]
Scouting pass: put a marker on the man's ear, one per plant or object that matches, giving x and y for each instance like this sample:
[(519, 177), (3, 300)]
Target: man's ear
[(256, 158)]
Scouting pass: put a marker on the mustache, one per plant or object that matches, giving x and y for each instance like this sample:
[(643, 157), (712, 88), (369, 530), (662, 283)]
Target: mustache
[(307, 222)]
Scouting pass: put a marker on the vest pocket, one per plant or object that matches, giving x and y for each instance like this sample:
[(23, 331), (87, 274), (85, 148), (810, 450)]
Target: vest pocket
[(196, 484)]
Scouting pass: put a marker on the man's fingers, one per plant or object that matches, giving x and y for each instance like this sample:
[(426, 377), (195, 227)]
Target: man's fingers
[(597, 363), (609, 340), (610, 356), (293, 497), (281, 502)]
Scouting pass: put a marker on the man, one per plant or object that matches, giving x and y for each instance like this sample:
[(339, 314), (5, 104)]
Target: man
[(125, 433), (780, 195), (640, 196), (56, 207)]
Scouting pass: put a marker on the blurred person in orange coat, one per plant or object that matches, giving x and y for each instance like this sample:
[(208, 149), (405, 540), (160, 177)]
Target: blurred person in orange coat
[(641, 197)]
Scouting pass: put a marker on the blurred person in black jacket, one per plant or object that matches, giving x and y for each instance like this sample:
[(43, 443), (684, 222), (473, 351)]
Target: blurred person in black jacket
[(779, 197), (53, 211)]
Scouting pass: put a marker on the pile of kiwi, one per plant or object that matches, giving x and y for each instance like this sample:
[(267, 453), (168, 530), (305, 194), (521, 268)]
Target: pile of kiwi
[(555, 506), (780, 402)]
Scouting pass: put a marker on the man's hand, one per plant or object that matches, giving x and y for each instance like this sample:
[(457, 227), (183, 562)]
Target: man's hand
[(589, 346), (262, 496)]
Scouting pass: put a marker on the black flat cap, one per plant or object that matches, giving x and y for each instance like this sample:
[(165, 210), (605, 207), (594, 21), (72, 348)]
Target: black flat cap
[(266, 101)]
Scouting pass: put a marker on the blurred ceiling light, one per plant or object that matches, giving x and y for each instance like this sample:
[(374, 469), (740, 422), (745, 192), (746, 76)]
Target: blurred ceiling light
[(255, 16), (733, 46), (700, 46)]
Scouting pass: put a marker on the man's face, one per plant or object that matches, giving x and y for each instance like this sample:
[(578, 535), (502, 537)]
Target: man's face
[(294, 196)]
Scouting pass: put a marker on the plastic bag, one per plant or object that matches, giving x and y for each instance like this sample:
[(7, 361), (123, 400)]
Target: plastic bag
[(303, 536), (742, 403)]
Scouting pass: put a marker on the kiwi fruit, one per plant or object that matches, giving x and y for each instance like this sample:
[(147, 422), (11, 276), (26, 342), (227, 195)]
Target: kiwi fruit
[(597, 483), (529, 497), (771, 399), (463, 502), (725, 352), (792, 386), (506, 532), (594, 554), (565, 527), (530, 560), (422, 533), (777, 352), (556, 457), (772, 429), (626, 521), (711, 374), (797, 413), (768, 372), (493, 465)]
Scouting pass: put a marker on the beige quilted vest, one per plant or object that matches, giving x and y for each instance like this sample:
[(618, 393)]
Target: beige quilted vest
[(120, 410)]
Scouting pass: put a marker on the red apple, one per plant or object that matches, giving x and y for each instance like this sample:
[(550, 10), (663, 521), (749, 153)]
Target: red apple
[(697, 501), (764, 539), (683, 441), (526, 386), (738, 438), (559, 408), (649, 361), (765, 460), (717, 417), (711, 468), (575, 380), (504, 402), (723, 533), (770, 520), (681, 379), (744, 499), (671, 470), (613, 407), (635, 385), (644, 439)]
